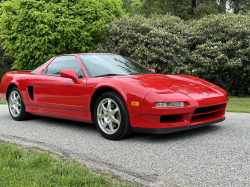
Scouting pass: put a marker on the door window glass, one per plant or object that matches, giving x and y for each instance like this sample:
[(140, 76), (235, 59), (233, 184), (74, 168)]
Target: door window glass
[(63, 63), (37, 69)]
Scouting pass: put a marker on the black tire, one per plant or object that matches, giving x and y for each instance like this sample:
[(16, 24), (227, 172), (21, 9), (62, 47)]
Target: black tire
[(23, 114), (124, 129)]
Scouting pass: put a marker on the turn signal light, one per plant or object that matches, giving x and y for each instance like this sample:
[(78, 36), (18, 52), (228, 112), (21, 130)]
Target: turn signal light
[(135, 103)]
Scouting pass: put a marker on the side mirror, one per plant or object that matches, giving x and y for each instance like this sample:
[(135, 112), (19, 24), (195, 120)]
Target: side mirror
[(69, 73), (152, 70)]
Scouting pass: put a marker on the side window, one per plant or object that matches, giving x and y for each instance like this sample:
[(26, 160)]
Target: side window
[(63, 63), (37, 69)]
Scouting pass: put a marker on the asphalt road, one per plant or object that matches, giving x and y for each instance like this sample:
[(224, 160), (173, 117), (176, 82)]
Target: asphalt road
[(217, 155)]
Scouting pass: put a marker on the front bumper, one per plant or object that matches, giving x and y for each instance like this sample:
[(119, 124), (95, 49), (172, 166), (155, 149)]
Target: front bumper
[(197, 113), (176, 129)]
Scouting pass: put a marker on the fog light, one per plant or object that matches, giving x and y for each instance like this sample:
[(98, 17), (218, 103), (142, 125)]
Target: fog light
[(174, 104)]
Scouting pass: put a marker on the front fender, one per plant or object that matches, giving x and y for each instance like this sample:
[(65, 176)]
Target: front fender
[(129, 91)]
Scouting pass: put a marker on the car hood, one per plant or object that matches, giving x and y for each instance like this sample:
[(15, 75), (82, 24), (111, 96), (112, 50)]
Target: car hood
[(161, 83)]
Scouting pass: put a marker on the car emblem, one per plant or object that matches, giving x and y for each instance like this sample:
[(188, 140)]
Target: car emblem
[(205, 93)]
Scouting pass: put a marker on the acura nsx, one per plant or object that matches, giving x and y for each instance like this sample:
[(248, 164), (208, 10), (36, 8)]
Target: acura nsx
[(115, 93)]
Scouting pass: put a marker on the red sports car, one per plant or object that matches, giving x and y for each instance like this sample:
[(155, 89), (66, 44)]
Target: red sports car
[(116, 93)]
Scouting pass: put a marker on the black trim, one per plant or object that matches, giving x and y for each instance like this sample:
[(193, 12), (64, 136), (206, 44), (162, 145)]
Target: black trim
[(31, 92), (170, 130), (168, 118)]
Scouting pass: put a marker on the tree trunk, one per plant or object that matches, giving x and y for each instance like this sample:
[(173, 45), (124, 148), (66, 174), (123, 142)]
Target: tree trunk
[(236, 7), (223, 6), (193, 6)]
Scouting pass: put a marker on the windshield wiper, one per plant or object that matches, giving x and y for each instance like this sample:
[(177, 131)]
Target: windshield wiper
[(105, 75), (142, 73)]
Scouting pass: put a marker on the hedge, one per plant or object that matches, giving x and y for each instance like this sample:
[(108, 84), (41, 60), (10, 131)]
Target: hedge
[(220, 51), (156, 42), (215, 48)]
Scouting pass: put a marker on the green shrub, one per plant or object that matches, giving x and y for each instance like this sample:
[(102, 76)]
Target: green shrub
[(36, 30), (156, 42), (220, 51)]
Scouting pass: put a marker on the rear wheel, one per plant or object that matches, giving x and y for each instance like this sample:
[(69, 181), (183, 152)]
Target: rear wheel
[(111, 116), (16, 106)]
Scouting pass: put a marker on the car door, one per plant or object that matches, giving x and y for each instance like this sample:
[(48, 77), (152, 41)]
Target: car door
[(56, 94)]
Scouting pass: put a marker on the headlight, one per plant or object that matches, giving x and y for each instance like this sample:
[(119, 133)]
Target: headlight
[(174, 104)]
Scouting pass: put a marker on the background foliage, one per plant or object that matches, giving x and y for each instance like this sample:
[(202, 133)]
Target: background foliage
[(156, 42), (185, 9), (220, 51), (215, 48), (36, 30)]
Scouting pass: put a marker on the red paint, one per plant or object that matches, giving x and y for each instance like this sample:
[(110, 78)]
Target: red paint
[(68, 97), (69, 73)]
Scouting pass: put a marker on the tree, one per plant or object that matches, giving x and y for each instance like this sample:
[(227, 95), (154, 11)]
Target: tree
[(5, 62), (185, 9), (132, 7), (223, 6), (239, 5), (33, 31)]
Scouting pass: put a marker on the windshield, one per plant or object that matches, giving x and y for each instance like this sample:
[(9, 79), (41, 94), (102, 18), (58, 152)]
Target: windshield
[(98, 65)]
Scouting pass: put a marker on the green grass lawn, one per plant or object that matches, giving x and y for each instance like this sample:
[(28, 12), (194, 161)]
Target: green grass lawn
[(238, 104), (33, 167), (1, 102)]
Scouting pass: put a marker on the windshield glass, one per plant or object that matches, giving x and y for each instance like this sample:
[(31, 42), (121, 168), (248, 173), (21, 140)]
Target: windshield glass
[(111, 65)]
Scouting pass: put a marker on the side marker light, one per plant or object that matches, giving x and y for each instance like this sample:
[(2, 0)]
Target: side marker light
[(135, 103)]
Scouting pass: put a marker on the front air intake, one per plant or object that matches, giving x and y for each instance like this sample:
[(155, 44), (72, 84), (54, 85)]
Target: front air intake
[(168, 118)]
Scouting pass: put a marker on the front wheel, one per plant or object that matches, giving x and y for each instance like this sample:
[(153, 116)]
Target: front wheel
[(111, 116), (16, 105)]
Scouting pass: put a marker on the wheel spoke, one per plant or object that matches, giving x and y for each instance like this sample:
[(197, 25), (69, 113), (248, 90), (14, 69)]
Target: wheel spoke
[(101, 116), (114, 111), (109, 105), (18, 98), (104, 124), (12, 99), (14, 111), (17, 111), (115, 120), (103, 108), (15, 99), (111, 126)]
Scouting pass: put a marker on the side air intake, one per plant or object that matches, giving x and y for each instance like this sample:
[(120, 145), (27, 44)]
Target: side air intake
[(31, 92)]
